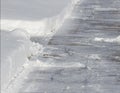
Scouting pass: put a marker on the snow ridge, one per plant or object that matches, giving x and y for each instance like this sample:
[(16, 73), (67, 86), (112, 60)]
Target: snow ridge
[(17, 45)]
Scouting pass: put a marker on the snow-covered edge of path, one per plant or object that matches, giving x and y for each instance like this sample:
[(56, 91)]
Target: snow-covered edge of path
[(20, 44), (44, 27)]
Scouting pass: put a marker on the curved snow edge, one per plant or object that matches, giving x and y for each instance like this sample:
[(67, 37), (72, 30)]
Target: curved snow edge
[(45, 27), (16, 44), (15, 48), (51, 25)]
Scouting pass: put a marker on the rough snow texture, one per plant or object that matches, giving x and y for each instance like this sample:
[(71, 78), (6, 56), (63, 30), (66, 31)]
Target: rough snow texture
[(15, 47)]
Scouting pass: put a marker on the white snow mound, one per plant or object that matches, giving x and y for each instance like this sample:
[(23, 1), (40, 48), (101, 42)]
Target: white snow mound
[(15, 47)]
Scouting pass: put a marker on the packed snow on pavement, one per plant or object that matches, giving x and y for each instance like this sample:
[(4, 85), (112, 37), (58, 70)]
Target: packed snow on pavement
[(22, 19)]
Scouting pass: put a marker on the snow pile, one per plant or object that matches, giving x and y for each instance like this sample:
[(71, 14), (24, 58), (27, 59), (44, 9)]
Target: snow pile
[(110, 40), (46, 25), (22, 19), (30, 26), (15, 48), (54, 23)]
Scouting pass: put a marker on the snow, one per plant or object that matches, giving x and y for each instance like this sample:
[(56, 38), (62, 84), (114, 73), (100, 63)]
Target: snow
[(43, 26), (58, 65), (110, 40), (15, 47), (22, 19), (105, 9)]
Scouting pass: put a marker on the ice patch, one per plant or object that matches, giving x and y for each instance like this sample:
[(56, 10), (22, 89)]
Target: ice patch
[(105, 9), (94, 56), (110, 40), (58, 65)]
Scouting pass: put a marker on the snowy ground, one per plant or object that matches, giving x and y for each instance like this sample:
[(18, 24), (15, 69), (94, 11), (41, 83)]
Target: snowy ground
[(15, 48), (21, 20), (38, 17), (82, 56)]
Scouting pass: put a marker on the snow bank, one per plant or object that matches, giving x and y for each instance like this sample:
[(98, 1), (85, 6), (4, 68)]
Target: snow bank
[(15, 47), (22, 19), (46, 25)]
